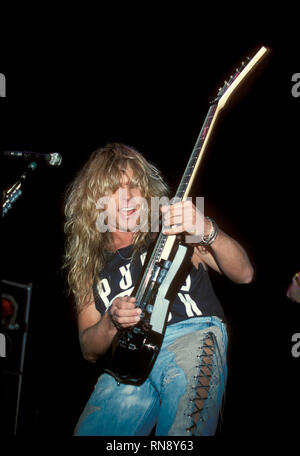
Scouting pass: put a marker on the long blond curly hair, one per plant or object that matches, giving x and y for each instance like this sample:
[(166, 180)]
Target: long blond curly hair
[(86, 247)]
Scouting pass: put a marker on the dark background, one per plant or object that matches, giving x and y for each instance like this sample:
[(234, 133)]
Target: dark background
[(154, 95)]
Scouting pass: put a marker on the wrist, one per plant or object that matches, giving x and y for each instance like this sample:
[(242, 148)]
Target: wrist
[(210, 232), (207, 227), (113, 323)]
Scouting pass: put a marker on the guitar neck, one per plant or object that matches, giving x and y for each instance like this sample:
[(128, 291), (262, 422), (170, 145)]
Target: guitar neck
[(197, 154), (164, 244)]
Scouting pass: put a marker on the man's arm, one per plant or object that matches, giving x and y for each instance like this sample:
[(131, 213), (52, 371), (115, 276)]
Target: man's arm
[(227, 257), (97, 332), (224, 255)]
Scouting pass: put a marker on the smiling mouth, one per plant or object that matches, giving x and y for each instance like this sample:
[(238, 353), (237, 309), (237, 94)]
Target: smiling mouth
[(128, 211)]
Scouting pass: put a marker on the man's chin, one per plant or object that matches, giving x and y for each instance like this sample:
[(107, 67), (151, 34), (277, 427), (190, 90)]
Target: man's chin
[(131, 226)]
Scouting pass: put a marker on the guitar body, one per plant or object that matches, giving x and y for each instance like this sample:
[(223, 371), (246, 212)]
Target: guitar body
[(135, 350), (134, 354)]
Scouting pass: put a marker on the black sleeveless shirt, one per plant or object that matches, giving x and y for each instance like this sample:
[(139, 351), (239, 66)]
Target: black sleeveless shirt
[(195, 298)]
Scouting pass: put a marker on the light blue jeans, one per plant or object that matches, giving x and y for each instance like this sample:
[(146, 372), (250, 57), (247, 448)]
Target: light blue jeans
[(182, 395)]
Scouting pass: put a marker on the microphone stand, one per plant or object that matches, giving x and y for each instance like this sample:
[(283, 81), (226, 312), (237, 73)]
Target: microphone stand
[(10, 195), (13, 192)]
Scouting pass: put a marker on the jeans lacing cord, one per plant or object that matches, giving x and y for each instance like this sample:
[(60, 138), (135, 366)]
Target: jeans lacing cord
[(220, 368), (203, 375)]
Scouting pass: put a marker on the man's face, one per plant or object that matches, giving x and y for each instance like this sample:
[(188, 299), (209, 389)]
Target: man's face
[(124, 205)]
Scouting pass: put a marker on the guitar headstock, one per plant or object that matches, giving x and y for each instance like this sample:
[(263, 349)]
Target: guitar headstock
[(236, 78)]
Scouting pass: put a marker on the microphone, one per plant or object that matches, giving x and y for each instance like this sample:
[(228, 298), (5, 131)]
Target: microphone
[(52, 159)]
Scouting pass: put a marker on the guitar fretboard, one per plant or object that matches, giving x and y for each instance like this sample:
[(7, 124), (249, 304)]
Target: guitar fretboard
[(194, 159), (180, 194)]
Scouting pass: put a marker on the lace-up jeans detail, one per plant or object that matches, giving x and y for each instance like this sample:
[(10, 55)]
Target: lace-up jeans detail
[(202, 356), (205, 385), (182, 395)]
